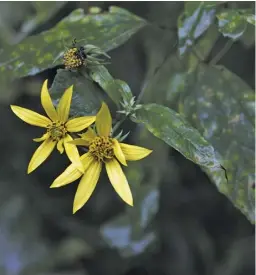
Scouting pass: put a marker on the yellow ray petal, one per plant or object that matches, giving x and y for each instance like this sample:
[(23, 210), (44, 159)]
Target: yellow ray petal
[(42, 138), (119, 181), (80, 141), (72, 152), (89, 135), (31, 117), (80, 123), (87, 185), (132, 152), (60, 146), (72, 173), (64, 104), (103, 121), (41, 154), (119, 153), (47, 102)]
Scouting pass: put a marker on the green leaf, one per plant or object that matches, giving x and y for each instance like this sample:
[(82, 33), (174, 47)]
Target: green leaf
[(87, 97), (36, 53), (211, 4), (193, 23), (116, 89), (203, 47), (232, 23), (222, 107), (173, 129), (175, 74), (251, 18)]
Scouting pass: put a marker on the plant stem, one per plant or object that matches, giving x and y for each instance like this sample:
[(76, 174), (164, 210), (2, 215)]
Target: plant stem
[(197, 54), (139, 98), (118, 124), (222, 52)]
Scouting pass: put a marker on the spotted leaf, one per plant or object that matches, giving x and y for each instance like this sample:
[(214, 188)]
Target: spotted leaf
[(193, 22), (39, 52), (233, 23)]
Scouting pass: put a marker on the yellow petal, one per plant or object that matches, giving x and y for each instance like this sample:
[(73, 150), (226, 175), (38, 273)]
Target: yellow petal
[(87, 185), (60, 146), (132, 152), (80, 141), (72, 152), (64, 104), (89, 135), (119, 181), (42, 138), (47, 102), (80, 123), (41, 154), (103, 121), (31, 117), (119, 153), (72, 173)]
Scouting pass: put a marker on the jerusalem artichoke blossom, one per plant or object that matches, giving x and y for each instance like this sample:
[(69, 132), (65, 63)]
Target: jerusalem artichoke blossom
[(57, 126), (102, 150), (74, 58)]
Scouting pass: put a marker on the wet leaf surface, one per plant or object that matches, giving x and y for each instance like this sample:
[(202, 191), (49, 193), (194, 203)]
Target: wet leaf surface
[(193, 23), (233, 23), (251, 18), (221, 106), (173, 129), (180, 224), (36, 53), (202, 48)]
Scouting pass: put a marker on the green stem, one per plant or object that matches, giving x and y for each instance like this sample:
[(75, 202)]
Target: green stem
[(222, 52), (118, 124), (197, 54), (139, 98)]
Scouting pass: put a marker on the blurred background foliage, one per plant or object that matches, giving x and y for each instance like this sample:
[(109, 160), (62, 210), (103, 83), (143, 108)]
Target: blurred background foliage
[(168, 54)]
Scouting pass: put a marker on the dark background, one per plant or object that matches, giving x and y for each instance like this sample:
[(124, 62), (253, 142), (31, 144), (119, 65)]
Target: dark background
[(196, 230)]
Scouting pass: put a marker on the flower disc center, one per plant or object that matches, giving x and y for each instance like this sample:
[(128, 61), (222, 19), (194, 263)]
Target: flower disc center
[(72, 59), (57, 131), (102, 148)]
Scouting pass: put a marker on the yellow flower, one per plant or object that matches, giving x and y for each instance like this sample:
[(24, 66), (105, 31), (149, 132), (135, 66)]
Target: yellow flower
[(102, 150), (57, 126), (74, 59)]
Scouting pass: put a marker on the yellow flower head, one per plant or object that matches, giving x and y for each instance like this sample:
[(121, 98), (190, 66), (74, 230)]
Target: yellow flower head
[(57, 127), (73, 58), (102, 150)]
